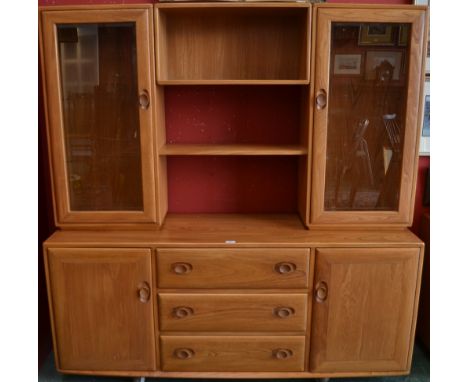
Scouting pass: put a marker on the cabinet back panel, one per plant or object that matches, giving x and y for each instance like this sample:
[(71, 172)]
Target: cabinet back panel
[(232, 184), (233, 114)]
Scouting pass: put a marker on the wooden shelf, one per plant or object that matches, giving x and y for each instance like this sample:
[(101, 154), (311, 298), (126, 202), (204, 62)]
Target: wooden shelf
[(233, 82), (218, 230), (233, 43), (186, 149)]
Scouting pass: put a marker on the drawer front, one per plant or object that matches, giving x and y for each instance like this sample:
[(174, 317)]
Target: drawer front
[(233, 268), (232, 312), (229, 353)]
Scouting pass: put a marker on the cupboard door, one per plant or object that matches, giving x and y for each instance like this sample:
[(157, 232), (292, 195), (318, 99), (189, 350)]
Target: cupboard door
[(98, 69), (364, 309), (368, 76), (102, 308)]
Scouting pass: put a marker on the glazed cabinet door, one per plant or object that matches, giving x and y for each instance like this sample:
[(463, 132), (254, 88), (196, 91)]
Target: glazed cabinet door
[(367, 107), (102, 308), (98, 71), (364, 309)]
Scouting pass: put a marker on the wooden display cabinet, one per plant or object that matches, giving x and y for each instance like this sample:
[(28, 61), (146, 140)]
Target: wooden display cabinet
[(218, 173)]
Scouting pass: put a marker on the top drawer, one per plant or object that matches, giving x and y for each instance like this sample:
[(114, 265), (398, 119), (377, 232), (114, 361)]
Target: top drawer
[(233, 268)]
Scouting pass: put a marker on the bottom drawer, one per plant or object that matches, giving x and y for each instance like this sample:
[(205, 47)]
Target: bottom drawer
[(232, 353)]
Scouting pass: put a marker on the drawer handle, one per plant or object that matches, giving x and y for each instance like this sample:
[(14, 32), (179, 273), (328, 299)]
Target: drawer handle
[(282, 353), (321, 291), (184, 353), (285, 268), (144, 292), (181, 268), (284, 312), (182, 312)]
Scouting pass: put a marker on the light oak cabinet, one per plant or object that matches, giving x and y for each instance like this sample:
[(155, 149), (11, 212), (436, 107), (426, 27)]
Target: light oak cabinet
[(102, 307), (229, 231), (364, 309)]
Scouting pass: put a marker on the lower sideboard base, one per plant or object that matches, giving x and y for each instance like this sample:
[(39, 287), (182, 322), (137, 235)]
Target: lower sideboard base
[(234, 375)]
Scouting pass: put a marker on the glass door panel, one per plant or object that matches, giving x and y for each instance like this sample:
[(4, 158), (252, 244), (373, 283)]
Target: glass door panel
[(366, 116), (100, 116)]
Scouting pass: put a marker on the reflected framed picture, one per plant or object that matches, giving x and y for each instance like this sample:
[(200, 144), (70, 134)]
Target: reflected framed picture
[(403, 35), (427, 110), (375, 58), (424, 143), (376, 34), (347, 64)]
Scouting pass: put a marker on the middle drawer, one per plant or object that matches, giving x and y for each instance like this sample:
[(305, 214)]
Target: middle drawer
[(232, 312)]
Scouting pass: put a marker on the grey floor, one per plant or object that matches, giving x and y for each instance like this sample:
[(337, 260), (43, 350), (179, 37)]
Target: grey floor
[(419, 373)]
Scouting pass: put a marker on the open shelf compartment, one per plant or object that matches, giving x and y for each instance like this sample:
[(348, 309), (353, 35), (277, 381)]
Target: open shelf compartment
[(241, 43)]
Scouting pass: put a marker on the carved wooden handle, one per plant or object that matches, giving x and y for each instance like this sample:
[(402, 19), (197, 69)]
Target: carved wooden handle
[(321, 291), (284, 312), (181, 268), (144, 292), (285, 268), (183, 353), (282, 353), (182, 312), (321, 99), (143, 99)]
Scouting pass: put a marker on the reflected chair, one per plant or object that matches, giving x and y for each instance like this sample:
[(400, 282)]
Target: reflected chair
[(357, 153)]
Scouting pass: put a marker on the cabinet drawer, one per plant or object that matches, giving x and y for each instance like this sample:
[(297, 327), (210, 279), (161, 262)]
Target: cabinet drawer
[(233, 268), (232, 312), (225, 353)]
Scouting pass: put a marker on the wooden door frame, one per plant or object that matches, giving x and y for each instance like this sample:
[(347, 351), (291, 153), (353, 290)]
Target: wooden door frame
[(142, 17), (324, 16)]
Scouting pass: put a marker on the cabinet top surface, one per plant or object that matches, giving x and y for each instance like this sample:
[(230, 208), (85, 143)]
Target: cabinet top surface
[(234, 231), (183, 5)]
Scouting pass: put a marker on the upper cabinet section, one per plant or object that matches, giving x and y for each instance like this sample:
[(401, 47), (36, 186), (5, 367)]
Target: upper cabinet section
[(234, 43), (368, 75), (98, 82)]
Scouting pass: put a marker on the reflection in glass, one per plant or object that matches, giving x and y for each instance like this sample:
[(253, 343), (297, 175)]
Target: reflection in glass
[(100, 116), (366, 109)]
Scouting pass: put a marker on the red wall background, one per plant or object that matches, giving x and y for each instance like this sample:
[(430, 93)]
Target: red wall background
[(281, 103)]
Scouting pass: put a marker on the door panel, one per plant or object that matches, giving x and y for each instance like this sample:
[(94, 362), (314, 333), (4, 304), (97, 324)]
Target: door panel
[(103, 308), (364, 302), (98, 67), (369, 67)]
